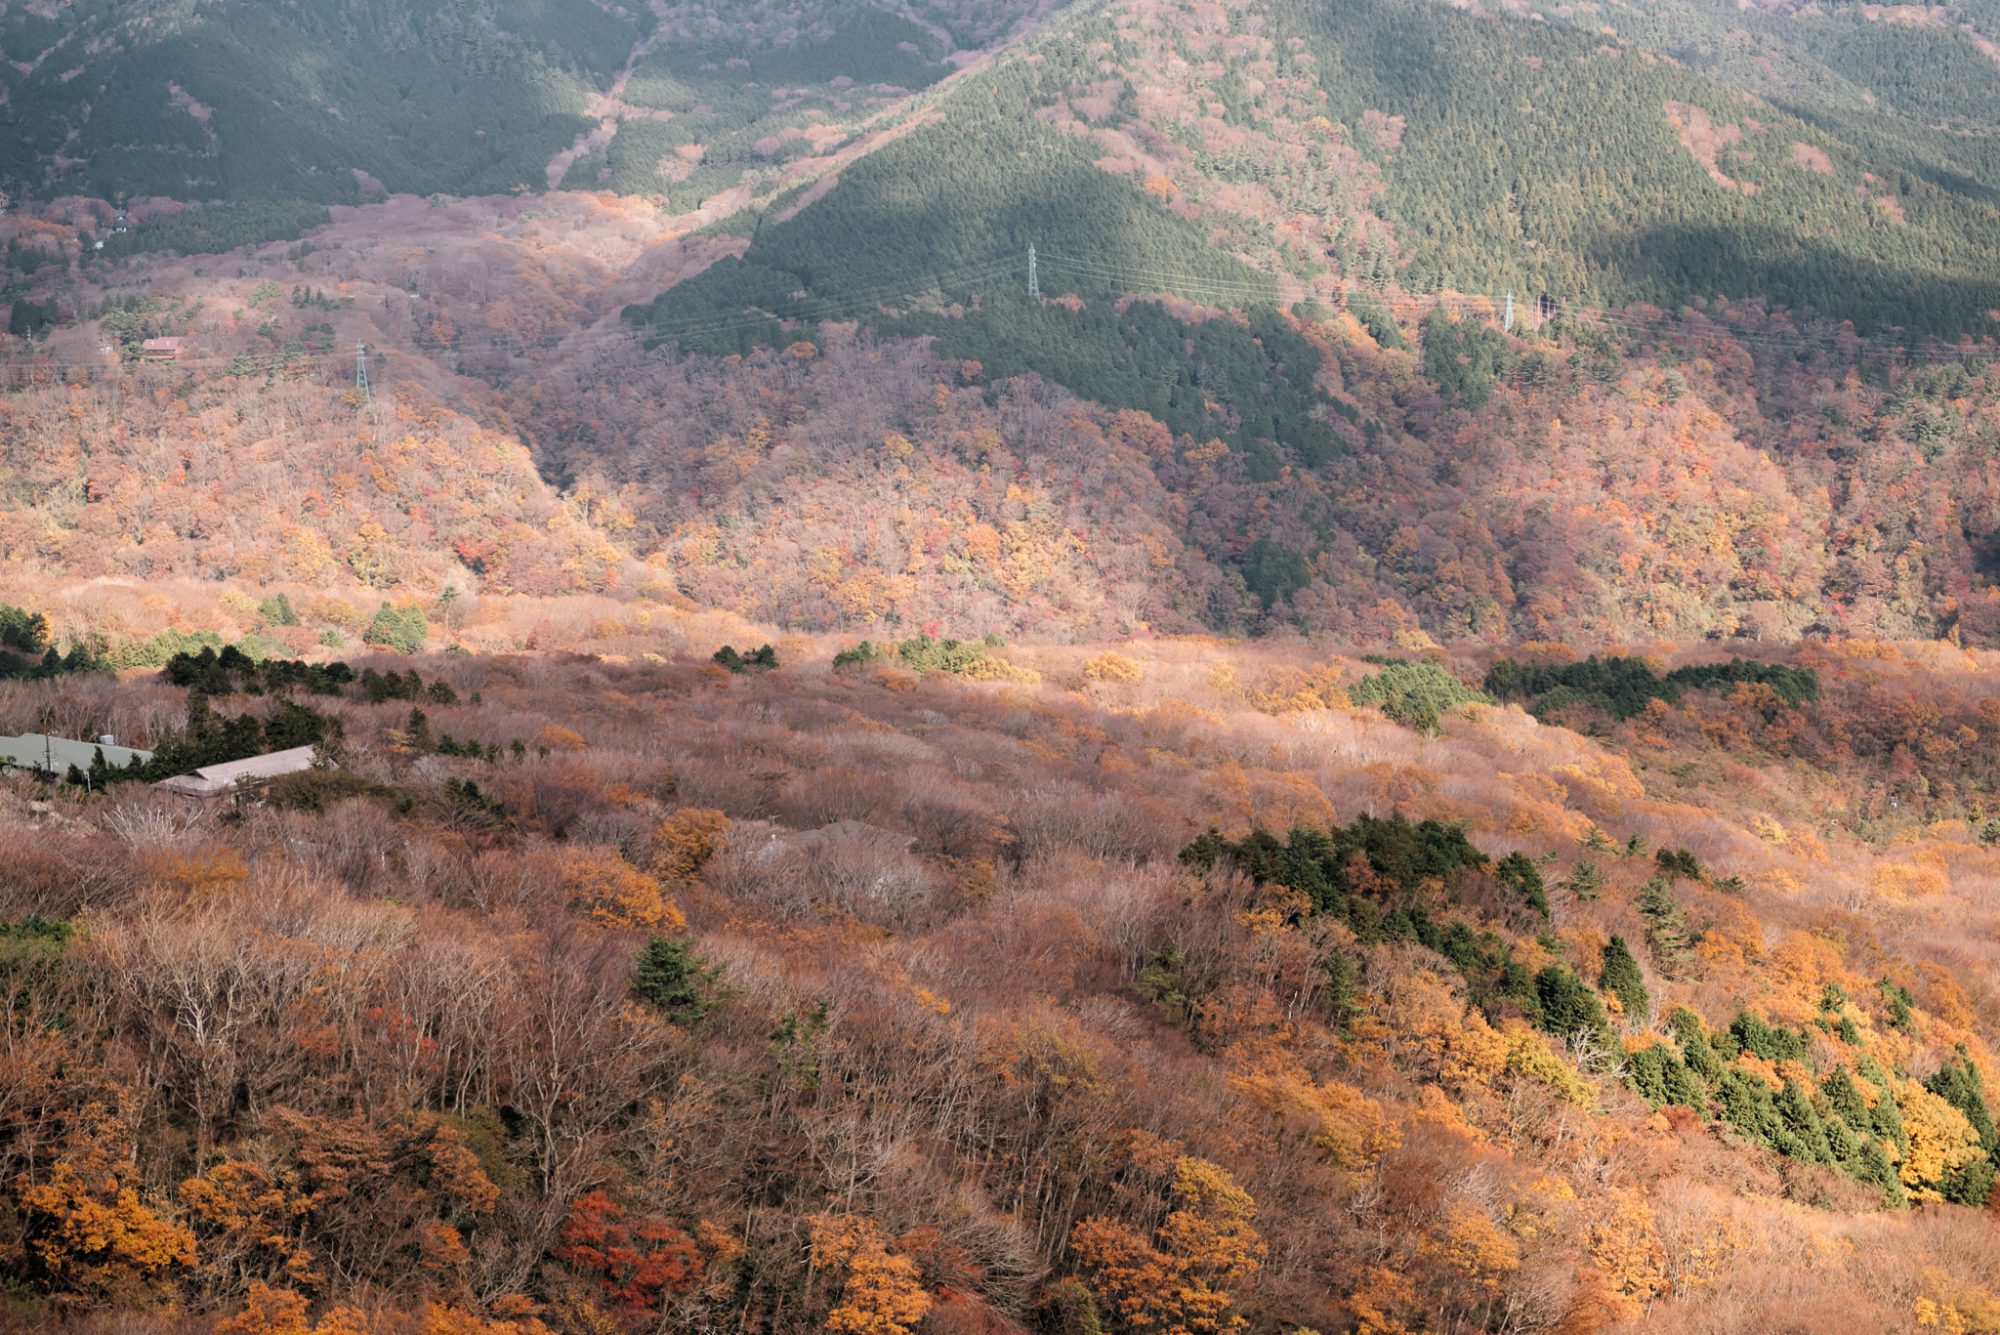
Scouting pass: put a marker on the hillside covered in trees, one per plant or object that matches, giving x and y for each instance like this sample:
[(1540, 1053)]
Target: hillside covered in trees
[(1154, 987), (252, 100)]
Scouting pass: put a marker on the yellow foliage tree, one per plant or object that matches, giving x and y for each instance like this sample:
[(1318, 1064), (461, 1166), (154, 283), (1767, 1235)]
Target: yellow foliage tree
[(439, 1320), (1384, 1303), (89, 1229), (1350, 1129), (1624, 1241), (1941, 1141), (244, 1215), (269, 1311), (1529, 1055), (881, 1293), (1469, 1242), (1111, 666), (1441, 1038)]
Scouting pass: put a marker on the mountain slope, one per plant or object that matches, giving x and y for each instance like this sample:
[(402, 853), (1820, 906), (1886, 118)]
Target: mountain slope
[(1479, 153), (259, 99), (1173, 163), (253, 98), (1043, 990)]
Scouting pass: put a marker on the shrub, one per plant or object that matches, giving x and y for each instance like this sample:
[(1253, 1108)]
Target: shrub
[(924, 653), (1416, 695), (864, 652), (1623, 687), (403, 629), (760, 659), (277, 611), (1109, 666)]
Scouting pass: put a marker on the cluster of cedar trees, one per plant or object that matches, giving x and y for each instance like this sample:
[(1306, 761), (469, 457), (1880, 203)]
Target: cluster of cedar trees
[(1376, 876), (1622, 687)]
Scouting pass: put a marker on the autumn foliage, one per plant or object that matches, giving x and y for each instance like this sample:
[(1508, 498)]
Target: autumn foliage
[(1175, 1282), (637, 1263), (843, 1001)]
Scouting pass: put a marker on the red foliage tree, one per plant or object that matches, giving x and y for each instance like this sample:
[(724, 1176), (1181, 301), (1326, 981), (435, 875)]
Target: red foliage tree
[(637, 1262)]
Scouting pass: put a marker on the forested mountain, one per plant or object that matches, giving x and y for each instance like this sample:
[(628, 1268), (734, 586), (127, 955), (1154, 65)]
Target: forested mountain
[(1291, 162), (1273, 248), (1401, 140), (254, 99), (249, 98)]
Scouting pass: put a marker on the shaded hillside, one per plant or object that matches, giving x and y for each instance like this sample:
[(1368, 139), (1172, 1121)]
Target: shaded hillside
[(254, 98), (328, 102), (1615, 175)]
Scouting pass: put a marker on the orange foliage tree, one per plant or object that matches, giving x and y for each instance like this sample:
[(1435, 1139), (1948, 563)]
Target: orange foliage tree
[(89, 1232), (601, 883), (1175, 1284), (682, 844)]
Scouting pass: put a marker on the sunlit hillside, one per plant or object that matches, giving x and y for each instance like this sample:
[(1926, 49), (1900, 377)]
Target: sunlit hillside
[(1133, 984)]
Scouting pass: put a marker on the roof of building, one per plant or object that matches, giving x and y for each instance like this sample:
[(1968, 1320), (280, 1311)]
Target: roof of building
[(37, 751), (214, 780)]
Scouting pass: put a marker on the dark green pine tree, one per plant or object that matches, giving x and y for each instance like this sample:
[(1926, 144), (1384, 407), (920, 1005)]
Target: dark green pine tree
[(1620, 976), (1845, 1099), (1696, 1050), (1342, 989), (672, 978), (1518, 871), (1876, 1168), (1804, 1137), (1685, 1088), (1666, 929), (1958, 1083), (1568, 1003), (1886, 1117), (1660, 1077), (1747, 1105)]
